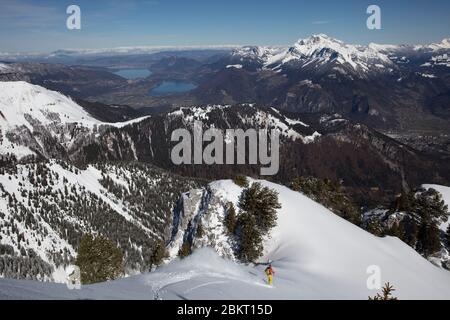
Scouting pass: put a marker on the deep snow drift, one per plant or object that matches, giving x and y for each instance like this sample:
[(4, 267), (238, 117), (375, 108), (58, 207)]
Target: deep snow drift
[(316, 255)]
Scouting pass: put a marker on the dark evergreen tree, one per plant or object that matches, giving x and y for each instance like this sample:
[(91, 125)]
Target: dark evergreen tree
[(447, 237), (258, 206), (386, 293), (428, 241), (262, 203), (99, 260), (230, 219), (185, 250), (250, 239), (329, 194), (374, 227), (395, 231), (241, 181), (159, 252), (422, 211), (408, 230), (200, 232)]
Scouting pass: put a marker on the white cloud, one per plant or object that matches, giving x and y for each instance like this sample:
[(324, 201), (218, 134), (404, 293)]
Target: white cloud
[(322, 22)]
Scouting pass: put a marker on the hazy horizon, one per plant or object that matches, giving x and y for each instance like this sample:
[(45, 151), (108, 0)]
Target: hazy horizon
[(40, 26)]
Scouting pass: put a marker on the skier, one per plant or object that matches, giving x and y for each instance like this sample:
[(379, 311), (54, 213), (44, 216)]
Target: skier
[(270, 273)]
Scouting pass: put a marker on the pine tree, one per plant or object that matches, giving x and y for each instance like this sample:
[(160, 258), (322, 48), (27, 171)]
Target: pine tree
[(409, 229), (230, 219), (185, 250), (386, 293), (447, 236), (374, 227), (262, 203), (159, 252), (241, 181), (423, 210), (250, 239), (99, 260), (200, 232), (395, 231), (258, 216), (329, 194), (428, 241)]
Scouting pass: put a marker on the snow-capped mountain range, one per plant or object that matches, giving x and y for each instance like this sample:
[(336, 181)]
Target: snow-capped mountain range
[(319, 50), (38, 121)]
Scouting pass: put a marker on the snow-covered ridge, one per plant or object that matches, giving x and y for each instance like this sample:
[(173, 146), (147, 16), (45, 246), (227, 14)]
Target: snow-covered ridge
[(287, 127), (20, 100), (443, 45), (315, 254), (28, 112), (318, 254), (3, 67), (321, 49)]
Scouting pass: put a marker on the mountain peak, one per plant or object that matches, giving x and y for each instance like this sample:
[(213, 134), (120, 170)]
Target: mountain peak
[(445, 43), (320, 37), (20, 101)]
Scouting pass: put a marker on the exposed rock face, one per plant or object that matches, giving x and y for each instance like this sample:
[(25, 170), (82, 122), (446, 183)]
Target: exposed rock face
[(199, 221)]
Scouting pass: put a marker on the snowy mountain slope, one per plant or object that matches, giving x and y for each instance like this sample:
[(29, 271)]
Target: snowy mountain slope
[(287, 127), (320, 53), (38, 121), (21, 103), (45, 208), (443, 45), (320, 50), (315, 254)]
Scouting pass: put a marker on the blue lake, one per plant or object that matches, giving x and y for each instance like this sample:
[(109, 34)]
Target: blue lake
[(169, 87), (133, 73)]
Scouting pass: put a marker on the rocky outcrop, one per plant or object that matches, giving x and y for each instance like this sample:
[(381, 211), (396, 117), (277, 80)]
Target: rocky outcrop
[(198, 221)]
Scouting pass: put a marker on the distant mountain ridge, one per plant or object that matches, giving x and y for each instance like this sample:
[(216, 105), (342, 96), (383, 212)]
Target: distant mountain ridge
[(365, 158)]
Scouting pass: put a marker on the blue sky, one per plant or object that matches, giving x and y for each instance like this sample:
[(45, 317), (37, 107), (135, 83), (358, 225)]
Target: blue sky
[(31, 25)]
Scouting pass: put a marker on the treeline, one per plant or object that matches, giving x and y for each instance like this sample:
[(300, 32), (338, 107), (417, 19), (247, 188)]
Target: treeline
[(46, 197), (414, 217), (26, 265), (331, 195)]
